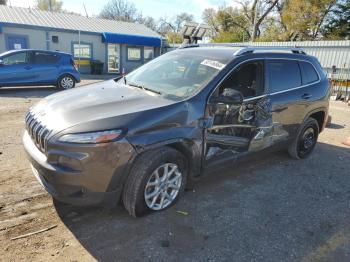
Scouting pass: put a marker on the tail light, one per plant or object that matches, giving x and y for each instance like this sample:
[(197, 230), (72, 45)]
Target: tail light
[(74, 64)]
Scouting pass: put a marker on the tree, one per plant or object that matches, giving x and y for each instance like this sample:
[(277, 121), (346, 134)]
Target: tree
[(255, 13), (3, 2), (120, 10), (170, 28), (148, 21), (49, 5), (338, 26), (304, 19)]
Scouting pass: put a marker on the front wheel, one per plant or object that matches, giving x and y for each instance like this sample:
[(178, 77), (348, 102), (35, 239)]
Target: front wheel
[(306, 140), (66, 82), (155, 182)]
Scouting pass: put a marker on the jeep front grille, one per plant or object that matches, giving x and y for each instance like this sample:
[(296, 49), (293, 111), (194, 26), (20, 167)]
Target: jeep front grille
[(37, 131)]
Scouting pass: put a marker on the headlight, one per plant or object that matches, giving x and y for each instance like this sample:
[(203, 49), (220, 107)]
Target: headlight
[(91, 138)]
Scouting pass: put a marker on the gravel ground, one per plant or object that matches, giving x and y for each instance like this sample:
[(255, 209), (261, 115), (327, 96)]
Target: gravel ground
[(270, 208)]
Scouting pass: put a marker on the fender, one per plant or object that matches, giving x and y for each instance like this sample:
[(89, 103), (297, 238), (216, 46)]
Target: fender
[(317, 110)]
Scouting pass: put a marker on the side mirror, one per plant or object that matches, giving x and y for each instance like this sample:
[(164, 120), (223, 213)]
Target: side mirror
[(1, 62), (229, 96)]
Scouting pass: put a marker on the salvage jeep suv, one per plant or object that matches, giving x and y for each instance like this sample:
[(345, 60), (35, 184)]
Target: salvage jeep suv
[(141, 138)]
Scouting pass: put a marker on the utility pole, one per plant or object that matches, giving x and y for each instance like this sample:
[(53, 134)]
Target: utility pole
[(50, 5), (85, 10)]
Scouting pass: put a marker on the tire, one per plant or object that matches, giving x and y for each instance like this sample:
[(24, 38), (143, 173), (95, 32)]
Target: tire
[(142, 181), (306, 140), (66, 82)]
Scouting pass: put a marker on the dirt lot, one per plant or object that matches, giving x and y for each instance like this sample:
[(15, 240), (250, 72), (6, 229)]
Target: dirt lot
[(267, 209)]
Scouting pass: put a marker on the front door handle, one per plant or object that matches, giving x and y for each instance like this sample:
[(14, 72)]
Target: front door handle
[(28, 67), (306, 96)]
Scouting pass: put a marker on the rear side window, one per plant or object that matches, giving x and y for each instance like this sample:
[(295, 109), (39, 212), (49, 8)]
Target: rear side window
[(43, 58), (283, 74), (309, 73)]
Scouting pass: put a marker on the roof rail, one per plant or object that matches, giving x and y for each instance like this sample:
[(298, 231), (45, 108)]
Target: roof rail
[(253, 49), (212, 45)]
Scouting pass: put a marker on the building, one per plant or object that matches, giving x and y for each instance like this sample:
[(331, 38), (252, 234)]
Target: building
[(119, 45)]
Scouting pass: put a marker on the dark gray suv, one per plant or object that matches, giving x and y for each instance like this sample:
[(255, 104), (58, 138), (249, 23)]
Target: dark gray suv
[(143, 138)]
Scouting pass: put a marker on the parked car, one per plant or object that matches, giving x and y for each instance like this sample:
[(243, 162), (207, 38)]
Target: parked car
[(145, 136), (37, 68)]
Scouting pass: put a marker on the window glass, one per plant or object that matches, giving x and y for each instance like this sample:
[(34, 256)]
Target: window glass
[(18, 58), (179, 74), (247, 79), (283, 74), (134, 53), (45, 58), (309, 73), (83, 51), (148, 52)]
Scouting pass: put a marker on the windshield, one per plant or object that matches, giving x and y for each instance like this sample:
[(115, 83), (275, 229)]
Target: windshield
[(178, 74)]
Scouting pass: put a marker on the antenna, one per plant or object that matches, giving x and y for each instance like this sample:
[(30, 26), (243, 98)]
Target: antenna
[(85, 10)]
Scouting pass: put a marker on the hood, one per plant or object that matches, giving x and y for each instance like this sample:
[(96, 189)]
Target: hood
[(97, 101)]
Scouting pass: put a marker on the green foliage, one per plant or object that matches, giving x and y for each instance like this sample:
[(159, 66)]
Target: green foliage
[(49, 5), (338, 26), (283, 20), (304, 19)]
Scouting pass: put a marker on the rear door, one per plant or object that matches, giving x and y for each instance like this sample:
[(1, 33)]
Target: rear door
[(16, 69), (289, 97), (45, 66)]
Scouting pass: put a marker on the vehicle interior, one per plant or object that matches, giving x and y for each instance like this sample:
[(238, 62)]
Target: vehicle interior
[(235, 125), (247, 79)]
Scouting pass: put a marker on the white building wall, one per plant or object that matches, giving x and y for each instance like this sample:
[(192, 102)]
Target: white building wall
[(36, 38), (65, 40)]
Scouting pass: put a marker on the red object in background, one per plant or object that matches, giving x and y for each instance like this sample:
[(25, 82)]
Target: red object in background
[(347, 141), (74, 64)]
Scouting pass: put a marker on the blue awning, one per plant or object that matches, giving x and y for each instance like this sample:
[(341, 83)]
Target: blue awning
[(130, 39)]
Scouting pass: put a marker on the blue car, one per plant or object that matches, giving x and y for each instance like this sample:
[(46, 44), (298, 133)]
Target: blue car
[(37, 68)]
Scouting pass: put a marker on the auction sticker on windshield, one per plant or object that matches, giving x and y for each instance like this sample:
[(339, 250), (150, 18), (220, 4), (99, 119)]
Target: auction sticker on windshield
[(213, 64)]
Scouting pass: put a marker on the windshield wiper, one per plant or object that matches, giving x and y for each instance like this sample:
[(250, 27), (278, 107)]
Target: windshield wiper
[(143, 88)]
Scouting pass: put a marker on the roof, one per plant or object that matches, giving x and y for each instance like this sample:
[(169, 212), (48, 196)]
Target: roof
[(35, 17), (35, 50)]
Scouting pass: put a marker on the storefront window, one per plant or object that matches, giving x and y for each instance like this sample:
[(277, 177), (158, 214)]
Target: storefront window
[(148, 53), (83, 51), (113, 58), (134, 53)]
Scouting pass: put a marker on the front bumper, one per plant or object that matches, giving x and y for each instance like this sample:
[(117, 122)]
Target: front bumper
[(88, 174)]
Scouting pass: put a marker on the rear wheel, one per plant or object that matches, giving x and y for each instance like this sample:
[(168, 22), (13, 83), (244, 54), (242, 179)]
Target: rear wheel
[(155, 182), (66, 82), (306, 140)]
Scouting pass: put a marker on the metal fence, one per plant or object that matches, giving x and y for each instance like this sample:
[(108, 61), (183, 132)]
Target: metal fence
[(334, 57)]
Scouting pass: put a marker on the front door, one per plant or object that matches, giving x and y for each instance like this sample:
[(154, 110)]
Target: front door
[(239, 129), (113, 54), (16, 42), (15, 69)]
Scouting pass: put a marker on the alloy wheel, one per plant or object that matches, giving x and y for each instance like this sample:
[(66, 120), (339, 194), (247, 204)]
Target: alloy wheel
[(163, 186), (67, 82)]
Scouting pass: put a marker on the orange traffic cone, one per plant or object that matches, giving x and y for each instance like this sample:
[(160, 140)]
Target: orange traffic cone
[(347, 141)]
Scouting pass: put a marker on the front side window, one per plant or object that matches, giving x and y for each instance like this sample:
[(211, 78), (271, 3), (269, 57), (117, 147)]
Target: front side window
[(283, 74), (83, 51), (15, 59), (247, 79), (178, 74), (134, 53), (43, 58)]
